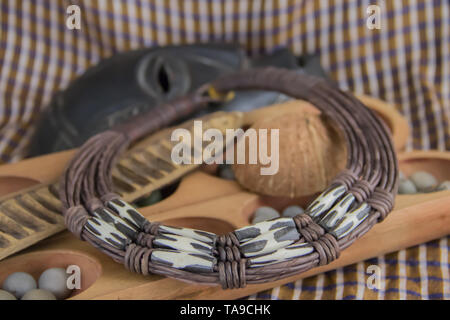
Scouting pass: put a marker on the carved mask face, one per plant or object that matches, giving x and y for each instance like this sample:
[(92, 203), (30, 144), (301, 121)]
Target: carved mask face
[(129, 83)]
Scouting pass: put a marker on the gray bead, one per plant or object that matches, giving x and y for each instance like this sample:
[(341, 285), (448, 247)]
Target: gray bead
[(406, 187), (19, 283), (226, 172), (55, 281), (5, 295), (424, 181), (444, 186), (38, 294), (401, 176), (264, 213), (292, 211)]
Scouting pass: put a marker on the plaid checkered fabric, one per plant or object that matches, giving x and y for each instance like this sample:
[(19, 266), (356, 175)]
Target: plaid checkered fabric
[(406, 62)]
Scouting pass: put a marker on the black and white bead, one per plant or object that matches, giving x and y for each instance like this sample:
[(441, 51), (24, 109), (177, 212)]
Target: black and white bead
[(351, 220), (246, 233), (121, 225), (269, 241), (325, 201), (181, 243), (127, 212), (203, 236), (337, 211), (107, 233), (284, 254), (184, 260)]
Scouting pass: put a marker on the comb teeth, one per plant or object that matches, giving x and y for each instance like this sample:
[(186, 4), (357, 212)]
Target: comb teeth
[(139, 166), (139, 179), (155, 163), (35, 213), (29, 217), (32, 211)]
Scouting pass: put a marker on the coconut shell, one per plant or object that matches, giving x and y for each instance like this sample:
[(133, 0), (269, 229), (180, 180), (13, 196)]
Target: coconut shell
[(312, 151)]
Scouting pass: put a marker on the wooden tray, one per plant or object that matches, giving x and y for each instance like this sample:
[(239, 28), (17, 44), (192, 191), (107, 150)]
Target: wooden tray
[(222, 208), (415, 219)]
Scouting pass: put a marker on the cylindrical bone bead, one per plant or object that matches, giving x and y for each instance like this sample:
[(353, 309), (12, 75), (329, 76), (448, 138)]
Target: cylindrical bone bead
[(250, 232), (351, 220), (107, 233), (337, 211), (203, 236), (290, 252), (121, 224), (324, 202), (180, 243), (269, 241), (127, 212), (183, 260)]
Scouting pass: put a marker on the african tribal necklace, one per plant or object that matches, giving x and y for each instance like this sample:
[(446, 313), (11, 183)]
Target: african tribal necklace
[(357, 198)]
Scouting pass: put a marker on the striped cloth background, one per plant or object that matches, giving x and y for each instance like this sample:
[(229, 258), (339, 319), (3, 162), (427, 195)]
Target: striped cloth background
[(406, 62)]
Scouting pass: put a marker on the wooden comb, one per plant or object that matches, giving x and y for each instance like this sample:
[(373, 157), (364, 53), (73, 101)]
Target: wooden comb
[(33, 214)]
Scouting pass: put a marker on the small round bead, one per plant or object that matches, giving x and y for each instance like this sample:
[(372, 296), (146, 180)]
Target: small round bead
[(55, 281), (444, 186), (226, 172), (406, 187), (292, 211), (264, 213), (18, 283), (401, 176), (424, 181), (5, 295), (38, 294)]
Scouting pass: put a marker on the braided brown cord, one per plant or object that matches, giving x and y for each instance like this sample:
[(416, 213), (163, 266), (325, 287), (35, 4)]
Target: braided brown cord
[(362, 190), (136, 259), (328, 249), (145, 239), (231, 265), (370, 178), (382, 201), (307, 228), (75, 218), (346, 177)]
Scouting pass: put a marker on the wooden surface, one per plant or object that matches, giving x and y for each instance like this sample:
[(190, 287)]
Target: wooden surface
[(207, 202), (415, 219)]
